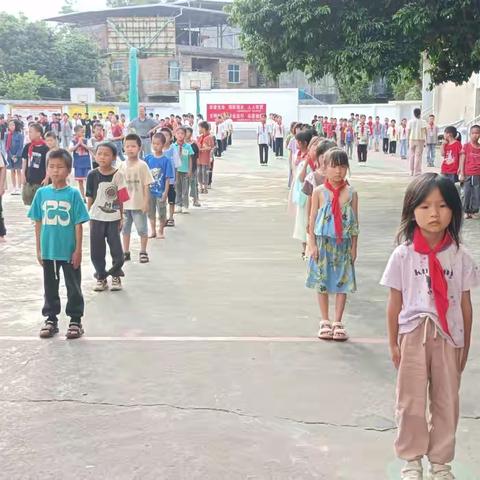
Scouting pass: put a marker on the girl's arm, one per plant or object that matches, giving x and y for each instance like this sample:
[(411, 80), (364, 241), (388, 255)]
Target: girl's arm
[(467, 313), (442, 149), (303, 173), (316, 203), (355, 237), (461, 168), (394, 307)]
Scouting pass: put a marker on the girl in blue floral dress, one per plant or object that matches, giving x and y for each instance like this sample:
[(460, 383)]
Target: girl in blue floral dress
[(332, 241)]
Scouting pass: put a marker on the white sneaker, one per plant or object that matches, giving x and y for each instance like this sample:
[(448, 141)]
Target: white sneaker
[(412, 471), (101, 285), (116, 284), (185, 211), (441, 472), (179, 210)]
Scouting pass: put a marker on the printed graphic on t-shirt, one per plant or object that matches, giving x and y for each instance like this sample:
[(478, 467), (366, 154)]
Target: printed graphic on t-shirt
[(158, 183), (107, 197), (56, 213)]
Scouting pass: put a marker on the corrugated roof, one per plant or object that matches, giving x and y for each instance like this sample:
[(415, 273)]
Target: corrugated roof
[(197, 17)]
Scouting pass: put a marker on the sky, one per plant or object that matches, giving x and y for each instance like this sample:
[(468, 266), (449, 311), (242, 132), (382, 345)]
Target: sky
[(36, 10)]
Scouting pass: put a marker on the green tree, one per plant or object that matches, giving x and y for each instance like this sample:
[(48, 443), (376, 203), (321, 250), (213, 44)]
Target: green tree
[(352, 37), (354, 89), (406, 86), (18, 86), (65, 56)]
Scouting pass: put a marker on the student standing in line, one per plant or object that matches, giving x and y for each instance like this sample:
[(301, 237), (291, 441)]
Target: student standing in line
[(14, 147), (450, 150), (332, 243), (429, 319), (184, 171), (59, 212), (138, 178), (432, 140), (362, 133), (470, 173), (417, 133), (279, 133), (106, 191), (403, 138), (385, 127), (263, 139), (205, 146), (392, 137)]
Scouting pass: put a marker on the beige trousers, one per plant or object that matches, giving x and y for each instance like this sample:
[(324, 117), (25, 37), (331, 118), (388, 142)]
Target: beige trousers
[(430, 370), (415, 155)]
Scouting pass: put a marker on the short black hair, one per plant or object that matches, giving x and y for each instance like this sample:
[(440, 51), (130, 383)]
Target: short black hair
[(204, 125), (475, 127), (305, 136), (36, 126), (78, 128), (336, 157), (417, 112), (324, 146), (62, 154), (189, 129), (417, 191), (109, 145), (160, 136), (134, 137)]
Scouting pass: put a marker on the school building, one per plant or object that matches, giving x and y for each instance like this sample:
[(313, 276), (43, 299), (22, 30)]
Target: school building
[(173, 37)]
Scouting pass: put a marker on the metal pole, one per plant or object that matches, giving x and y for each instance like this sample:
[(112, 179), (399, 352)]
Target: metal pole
[(133, 91), (197, 96)]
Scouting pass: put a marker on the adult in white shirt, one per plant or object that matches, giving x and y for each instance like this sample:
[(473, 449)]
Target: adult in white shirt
[(417, 134), (263, 139)]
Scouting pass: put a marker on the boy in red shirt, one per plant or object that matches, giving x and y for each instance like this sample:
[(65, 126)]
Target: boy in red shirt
[(450, 150), (470, 173)]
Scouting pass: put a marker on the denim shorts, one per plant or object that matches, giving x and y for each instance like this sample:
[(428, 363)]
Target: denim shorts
[(139, 219)]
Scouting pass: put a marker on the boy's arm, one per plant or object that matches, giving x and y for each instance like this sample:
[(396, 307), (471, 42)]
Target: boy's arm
[(467, 313), (89, 202), (77, 254), (190, 166), (38, 229), (146, 197), (394, 307)]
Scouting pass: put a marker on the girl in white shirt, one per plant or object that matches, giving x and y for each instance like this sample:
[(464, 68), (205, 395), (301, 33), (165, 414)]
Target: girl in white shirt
[(429, 319)]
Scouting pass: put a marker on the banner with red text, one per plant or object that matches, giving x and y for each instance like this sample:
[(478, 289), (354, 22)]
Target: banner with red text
[(239, 112)]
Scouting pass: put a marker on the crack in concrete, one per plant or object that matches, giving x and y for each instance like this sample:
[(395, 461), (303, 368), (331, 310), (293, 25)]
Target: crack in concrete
[(212, 409), (193, 408)]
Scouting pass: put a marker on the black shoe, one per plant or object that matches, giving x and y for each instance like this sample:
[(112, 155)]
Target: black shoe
[(126, 256)]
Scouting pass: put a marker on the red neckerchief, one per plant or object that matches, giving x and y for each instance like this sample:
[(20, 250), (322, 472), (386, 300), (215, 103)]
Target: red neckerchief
[(8, 143), (180, 147), (438, 282), (202, 138), (33, 144), (394, 132), (99, 139), (336, 210), (362, 125), (79, 150)]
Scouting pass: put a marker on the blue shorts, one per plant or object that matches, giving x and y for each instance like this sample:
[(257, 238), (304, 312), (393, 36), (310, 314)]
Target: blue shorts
[(81, 172), (138, 218)]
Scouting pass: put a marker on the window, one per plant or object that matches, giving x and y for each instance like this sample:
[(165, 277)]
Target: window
[(117, 70), (173, 71), (234, 74)]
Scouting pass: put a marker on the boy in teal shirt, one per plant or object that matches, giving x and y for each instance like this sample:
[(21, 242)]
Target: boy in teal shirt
[(184, 171), (59, 211)]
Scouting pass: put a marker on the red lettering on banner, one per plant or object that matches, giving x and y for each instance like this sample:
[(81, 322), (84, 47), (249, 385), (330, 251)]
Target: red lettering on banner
[(239, 112)]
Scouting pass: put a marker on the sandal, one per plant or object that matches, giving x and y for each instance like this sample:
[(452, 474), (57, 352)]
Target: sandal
[(339, 332), (153, 235), (325, 332), (49, 329), (170, 223), (144, 257), (74, 331)]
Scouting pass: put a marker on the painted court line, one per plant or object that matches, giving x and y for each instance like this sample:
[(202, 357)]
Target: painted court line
[(373, 341)]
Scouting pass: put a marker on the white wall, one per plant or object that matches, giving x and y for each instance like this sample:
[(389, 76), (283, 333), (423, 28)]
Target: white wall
[(283, 101), (395, 110)]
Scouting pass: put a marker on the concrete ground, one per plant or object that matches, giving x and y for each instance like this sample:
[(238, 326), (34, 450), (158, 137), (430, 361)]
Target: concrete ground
[(206, 366)]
